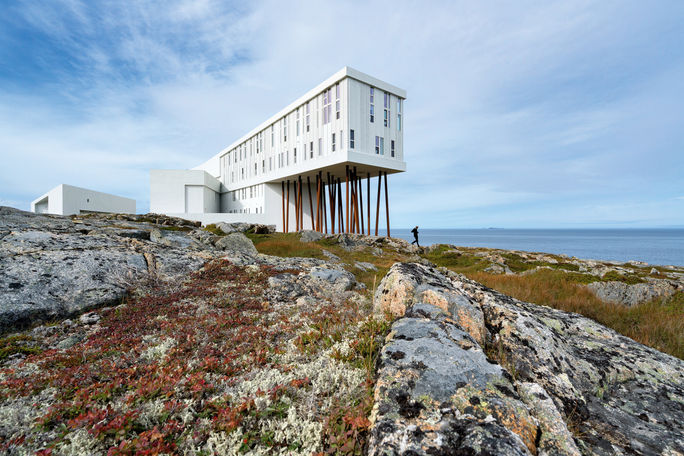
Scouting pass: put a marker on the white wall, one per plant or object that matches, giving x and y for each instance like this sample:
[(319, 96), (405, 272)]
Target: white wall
[(69, 200), (169, 191)]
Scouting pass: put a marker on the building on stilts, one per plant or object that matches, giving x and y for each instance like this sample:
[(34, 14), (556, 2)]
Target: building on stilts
[(319, 164)]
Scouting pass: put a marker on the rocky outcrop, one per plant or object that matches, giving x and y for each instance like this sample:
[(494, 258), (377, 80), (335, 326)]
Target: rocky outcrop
[(54, 267), (623, 293), (524, 379)]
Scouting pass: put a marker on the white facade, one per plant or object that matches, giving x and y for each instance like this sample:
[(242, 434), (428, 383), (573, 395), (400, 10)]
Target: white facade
[(69, 200), (350, 121)]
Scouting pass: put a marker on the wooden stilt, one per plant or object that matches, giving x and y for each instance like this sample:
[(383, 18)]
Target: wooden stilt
[(340, 207), (387, 207), (352, 191), (287, 212), (301, 204), (324, 202), (377, 209), (308, 185), (331, 197), (347, 184), (360, 186), (318, 204), (282, 197), (368, 192), (296, 202)]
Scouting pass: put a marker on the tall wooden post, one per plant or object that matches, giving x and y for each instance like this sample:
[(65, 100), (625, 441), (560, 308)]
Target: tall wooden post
[(387, 206), (318, 204), (301, 205), (308, 185), (287, 212), (340, 208), (377, 209), (347, 184), (282, 197), (352, 191), (360, 186), (296, 201), (331, 197), (368, 192)]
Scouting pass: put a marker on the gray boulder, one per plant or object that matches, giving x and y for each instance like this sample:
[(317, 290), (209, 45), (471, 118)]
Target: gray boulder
[(237, 243), (52, 267), (310, 236), (630, 295), (340, 279)]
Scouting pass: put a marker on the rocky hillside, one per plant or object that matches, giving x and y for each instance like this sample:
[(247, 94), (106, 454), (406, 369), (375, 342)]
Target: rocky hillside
[(150, 335)]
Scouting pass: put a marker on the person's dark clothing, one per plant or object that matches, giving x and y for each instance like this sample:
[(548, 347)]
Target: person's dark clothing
[(415, 235)]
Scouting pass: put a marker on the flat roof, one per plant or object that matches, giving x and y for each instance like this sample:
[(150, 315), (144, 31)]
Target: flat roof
[(346, 72)]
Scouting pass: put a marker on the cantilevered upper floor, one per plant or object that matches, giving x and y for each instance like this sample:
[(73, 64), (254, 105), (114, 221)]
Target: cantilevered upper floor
[(350, 119)]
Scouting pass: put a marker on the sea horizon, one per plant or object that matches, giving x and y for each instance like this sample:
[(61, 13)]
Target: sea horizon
[(656, 246)]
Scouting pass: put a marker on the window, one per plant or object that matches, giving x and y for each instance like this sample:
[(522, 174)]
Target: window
[(337, 100), (285, 129), (311, 149), (392, 148), (399, 114), (307, 117), (272, 136), (372, 106), (235, 156), (255, 169), (263, 165), (386, 118), (341, 141), (326, 106), (297, 121), (382, 145), (320, 146), (333, 142), (377, 145), (351, 139), (295, 155), (270, 163)]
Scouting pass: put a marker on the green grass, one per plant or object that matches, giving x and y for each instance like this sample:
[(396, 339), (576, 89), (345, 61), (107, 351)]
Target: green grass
[(658, 323), (17, 344)]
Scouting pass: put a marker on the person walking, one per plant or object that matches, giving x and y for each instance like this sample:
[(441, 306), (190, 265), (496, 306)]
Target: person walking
[(415, 236)]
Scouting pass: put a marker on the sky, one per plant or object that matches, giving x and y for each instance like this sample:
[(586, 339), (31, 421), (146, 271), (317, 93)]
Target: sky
[(525, 114)]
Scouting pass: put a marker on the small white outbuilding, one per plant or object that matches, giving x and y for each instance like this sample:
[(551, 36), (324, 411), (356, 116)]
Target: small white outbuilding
[(69, 200)]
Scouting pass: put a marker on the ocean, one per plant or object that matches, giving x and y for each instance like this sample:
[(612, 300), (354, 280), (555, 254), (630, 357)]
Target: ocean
[(654, 246)]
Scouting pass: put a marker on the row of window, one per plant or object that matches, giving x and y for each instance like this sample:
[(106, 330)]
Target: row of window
[(380, 146), (247, 210), (251, 191), (283, 158), (386, 107)]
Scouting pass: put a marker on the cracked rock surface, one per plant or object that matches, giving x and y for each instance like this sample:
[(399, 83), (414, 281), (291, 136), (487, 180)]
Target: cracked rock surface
[(522, 379), (53, 267)]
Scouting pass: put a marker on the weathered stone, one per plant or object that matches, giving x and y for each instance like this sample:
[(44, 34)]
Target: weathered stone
[(52, 266), (365, 266), (579, 387), (237, 243), (409, 283), (619, 396), (630, 295), (339, 278), (437, 393), (310, 236)]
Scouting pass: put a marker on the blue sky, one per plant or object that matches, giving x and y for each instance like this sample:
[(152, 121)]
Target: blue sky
[(519, 114)]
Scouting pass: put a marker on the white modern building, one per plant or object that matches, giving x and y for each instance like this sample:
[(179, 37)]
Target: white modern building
[(69, 200), (309, 166)]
